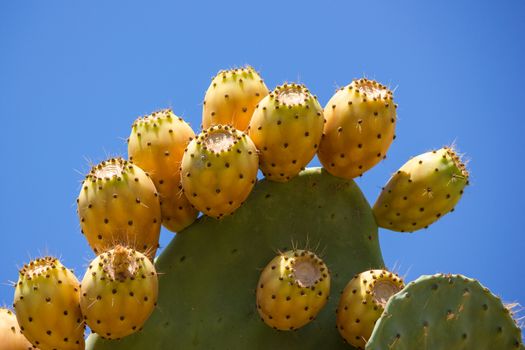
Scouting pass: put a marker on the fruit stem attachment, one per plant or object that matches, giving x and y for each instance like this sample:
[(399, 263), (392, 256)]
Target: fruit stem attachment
[(122, 266), (219, 141), (383, 291)]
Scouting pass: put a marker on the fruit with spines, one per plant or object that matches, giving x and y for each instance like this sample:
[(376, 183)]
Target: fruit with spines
[(445, 312), (286, 128), (292, 289), (210, 270), (119, 204), (231, 98), (219, 169), (156, 144), (119, 292), (359, 128), (11, 338), (424, 189), (362, 303), (47, 305)]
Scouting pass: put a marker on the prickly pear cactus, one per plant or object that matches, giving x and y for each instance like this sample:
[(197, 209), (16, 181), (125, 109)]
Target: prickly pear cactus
[(104, 215), (219, 170), (445, 312), (362, 303), (424, 189), (208, 274), (118, 293), (293, 288), (360, 126), (286, 127), (11, 338), (156, 145), (232, 97), (47, 305)]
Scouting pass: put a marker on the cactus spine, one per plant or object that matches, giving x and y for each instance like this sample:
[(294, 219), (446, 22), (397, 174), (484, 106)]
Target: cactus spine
[(219, 169), (118, 204), (292, 289), (156, 145), (11, 338), (232, 97), (286, 128), (47, 305), (424, 189), (362, 303), (119, 292), (359, 128)]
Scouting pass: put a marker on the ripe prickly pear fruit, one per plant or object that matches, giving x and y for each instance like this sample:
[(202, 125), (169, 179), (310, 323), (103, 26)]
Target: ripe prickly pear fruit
[(219, 169), (11, 338), (312, 207), (232, 97), (47, 305), (362, 303), (286, 128), (156, 145), (119, 292), (118, 204), (292, 289), (425, 188), (359, 128), (445, 312)]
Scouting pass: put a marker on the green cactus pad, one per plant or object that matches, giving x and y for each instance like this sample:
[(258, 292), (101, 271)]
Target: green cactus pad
[(208, 274), (445, 312)]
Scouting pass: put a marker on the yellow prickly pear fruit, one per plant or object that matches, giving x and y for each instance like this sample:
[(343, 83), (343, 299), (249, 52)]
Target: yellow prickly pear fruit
[(286, 128), (11, 338), (119, 292), (47, 305), (118, 204), (424, 189), (359, 128), (362, 303), (232, 97), (292, 289), (219, 169), (156, 144)]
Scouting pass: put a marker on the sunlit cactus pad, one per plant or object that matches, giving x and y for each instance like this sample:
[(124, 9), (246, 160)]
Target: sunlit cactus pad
[(209, 272), (445, 312)]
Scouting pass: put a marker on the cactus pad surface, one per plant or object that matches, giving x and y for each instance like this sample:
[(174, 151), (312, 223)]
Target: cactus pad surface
[(209, 272), (445, 312)]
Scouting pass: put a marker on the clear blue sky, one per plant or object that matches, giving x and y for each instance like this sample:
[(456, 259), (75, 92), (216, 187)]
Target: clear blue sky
[(73, 77)]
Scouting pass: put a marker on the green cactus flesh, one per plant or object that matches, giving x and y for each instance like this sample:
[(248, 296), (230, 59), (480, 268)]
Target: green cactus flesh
[(445, 312), (208, 274)]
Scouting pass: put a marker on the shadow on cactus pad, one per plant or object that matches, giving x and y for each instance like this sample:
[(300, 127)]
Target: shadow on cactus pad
[(209, 272)]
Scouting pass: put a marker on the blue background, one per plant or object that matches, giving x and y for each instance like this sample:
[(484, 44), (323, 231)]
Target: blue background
[(73, 77)]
